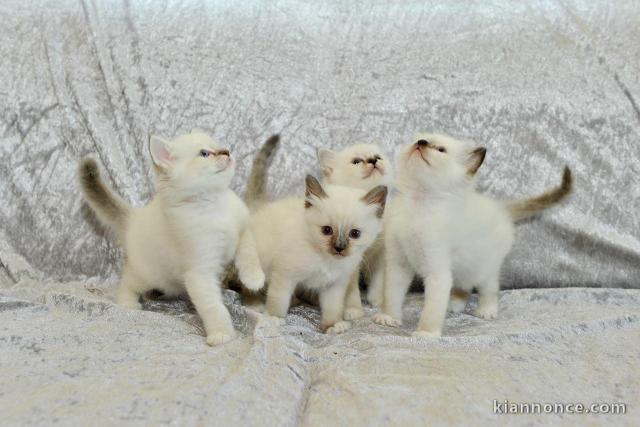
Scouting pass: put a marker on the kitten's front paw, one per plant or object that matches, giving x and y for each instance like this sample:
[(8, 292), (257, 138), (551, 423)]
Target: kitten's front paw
[(218, 338), (386, 320), (253, 280), (338, 328), (428, 334), (353, 313), (486, 312)]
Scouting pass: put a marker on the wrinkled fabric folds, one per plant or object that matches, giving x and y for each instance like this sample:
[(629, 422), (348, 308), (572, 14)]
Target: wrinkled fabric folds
[(539, 84)]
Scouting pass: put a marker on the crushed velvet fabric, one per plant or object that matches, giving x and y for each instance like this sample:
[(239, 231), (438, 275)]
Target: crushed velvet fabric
[(69, 353), (540, 84)]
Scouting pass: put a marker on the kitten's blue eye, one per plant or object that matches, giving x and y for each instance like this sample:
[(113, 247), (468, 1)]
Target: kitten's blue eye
[(204, 153), (355, 161), (326, 230), (354, 233), (442, 149)]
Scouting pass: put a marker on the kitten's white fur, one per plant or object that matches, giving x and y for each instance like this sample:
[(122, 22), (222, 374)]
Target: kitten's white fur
[(354, 167), (293, 251), (440, 228), (183, 239)]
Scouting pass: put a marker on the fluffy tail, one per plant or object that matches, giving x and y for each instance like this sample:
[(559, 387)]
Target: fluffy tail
[(525, 208), (110, 209), (257, 183)]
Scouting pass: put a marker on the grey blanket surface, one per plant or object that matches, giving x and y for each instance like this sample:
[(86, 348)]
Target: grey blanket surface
[(69, 355), (540, 84)]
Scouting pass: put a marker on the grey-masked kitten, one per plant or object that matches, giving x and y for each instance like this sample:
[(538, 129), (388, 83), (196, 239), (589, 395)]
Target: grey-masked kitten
[(363, 166)]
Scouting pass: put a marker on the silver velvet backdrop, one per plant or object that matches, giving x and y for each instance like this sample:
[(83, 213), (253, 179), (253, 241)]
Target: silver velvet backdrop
[(540, 84)]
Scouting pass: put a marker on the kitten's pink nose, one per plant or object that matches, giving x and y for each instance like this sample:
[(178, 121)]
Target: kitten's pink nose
[(422, 143)]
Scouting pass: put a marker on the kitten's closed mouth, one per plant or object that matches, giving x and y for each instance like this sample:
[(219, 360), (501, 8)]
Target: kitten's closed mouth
[(225, 167), (375, 169), (421, 155)]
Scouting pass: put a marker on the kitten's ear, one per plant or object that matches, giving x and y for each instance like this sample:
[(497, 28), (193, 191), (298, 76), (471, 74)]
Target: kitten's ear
[(326, 158), (160, 151), (313, 189), (476, 157), (378, 196)]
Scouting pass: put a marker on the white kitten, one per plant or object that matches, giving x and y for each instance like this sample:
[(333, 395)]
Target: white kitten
[(363, 166), (185, 236), (439, 227), (317, 243)]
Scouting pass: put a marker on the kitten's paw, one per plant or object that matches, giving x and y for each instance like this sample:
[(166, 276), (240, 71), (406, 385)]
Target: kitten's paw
[(339, 327), (427, 334), (386, 320), (456, 305), (219, 338), (253, 280), (486, 312), (353, 313)]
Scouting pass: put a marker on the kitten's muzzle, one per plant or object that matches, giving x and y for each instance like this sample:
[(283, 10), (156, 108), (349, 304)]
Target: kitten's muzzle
[(339, 245), (371, 170), (223, 160), (339, 250), (420, 148)]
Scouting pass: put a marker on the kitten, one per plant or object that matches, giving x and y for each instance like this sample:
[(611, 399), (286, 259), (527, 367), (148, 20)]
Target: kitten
[(316, 243), (362, 166), (439, 227), (182, 240)]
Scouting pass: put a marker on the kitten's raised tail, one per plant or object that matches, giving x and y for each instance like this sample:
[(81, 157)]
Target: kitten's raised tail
[(523, 209), (110, 209), (257, 183)]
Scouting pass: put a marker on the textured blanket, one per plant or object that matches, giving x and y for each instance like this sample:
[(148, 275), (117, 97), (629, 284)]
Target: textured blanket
[(540, 84), (70, 355)]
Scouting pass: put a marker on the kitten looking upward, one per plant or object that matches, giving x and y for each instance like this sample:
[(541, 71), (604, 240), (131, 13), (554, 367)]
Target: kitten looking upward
[(439, 227), (316, 242), (363, 166), (183, 239)]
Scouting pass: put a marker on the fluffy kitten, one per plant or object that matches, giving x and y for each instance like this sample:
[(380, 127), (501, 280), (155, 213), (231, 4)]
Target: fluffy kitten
[(182, 240), (439, 227), (317, 243), (362, 166)]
